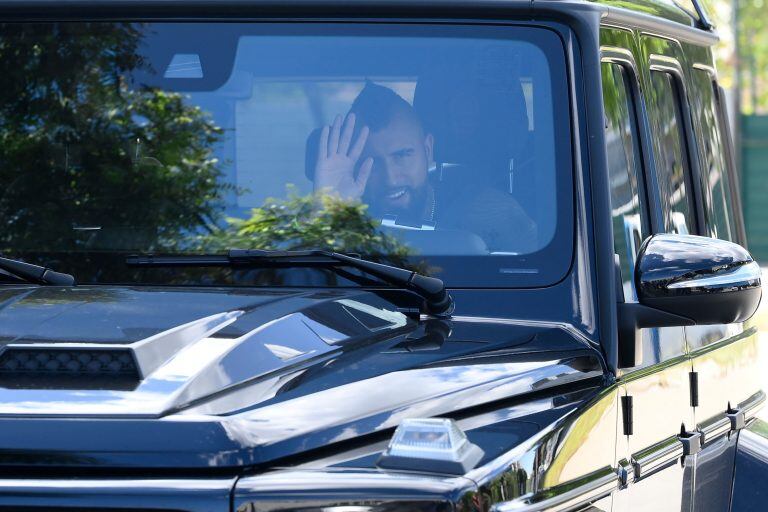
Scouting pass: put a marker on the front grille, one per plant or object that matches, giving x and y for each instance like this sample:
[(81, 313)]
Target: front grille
[(66, 368)]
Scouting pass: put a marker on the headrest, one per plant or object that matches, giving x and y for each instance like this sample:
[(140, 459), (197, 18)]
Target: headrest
[(475, 108)]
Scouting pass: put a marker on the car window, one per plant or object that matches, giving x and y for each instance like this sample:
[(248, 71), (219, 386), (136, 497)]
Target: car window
[(623, 169), (670, 153), (716, 189), (442, 148)]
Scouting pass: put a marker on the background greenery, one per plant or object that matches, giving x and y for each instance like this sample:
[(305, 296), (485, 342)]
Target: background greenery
[(94, 166), (743, 50)]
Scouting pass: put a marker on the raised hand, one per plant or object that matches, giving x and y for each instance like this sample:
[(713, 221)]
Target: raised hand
[(337, 157)]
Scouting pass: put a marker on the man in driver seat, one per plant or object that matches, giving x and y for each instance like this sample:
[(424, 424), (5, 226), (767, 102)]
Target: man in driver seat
[(380, 154)]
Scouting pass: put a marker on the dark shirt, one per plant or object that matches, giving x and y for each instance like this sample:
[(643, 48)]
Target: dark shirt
[(491, 213)]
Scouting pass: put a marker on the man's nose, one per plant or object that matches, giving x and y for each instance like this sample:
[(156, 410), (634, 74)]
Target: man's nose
[(383, 168), (390, 172)]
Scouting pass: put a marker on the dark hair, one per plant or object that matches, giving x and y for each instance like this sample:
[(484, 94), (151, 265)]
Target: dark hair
[(377, 105)]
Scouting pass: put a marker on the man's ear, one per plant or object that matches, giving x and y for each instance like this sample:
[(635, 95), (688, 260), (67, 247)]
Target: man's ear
[(429, 147)]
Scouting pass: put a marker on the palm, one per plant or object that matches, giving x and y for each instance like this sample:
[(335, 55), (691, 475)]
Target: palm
[(337, 158)]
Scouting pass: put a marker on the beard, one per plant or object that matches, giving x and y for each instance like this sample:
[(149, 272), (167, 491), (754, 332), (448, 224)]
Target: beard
[(380, 205)]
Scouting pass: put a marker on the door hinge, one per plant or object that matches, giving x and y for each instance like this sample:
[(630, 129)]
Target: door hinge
[(691, 442), (626, 414), (736, 417), (694, 380)]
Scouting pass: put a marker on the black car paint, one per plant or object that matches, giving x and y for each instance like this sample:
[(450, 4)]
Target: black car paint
[(574, 317), (208, 431)]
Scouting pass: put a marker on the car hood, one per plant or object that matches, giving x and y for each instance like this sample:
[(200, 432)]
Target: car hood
[(237, 377)]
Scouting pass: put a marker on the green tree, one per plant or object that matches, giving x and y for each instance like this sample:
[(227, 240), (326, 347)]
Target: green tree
[(93, 166), (80, 148), (307, 222), (753, 41)]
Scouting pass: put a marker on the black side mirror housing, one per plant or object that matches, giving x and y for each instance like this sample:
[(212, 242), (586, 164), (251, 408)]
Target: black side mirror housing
[(687, 280)]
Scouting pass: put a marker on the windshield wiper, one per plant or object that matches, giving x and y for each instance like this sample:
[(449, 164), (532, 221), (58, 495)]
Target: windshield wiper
[(35, 273), (438, 301)]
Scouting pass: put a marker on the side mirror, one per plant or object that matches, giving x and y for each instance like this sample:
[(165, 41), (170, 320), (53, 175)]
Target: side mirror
[(687, 280)]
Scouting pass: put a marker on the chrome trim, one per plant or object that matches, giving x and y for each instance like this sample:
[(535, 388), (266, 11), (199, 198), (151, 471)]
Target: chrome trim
[(473, 385), (161, 494), (566, 496), (626, 473), (673, 265), (92, 486), (149, 353), (563, 326), (655, 24), (289, 489), (743, 275), (188, 362), (167, 362), (752, 405), (715, 427), (153, 352), (657, 456)]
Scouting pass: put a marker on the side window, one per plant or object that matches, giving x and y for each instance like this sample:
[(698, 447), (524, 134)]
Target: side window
[(670, 152), (623, 169), (716, 189)]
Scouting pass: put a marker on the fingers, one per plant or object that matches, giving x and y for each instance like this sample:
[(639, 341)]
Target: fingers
[(364, 173), (346, 134), (359, 144), (333, 141), (322, 145)]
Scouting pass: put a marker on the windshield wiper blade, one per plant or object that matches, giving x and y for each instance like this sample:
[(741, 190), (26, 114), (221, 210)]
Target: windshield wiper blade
[(438, 301), (36, 273)]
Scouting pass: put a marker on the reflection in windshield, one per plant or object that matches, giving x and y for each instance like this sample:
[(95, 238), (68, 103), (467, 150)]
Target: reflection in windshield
[(81, 151), (305, 222), (120, 138)]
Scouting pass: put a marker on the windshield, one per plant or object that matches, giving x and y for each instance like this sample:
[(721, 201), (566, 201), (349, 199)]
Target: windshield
[(440, 148)]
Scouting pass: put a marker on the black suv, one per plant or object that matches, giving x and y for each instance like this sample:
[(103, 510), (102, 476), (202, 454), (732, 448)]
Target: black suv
[(372, 256)]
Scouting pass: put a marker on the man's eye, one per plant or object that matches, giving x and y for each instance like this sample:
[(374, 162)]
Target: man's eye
[(401, 155)]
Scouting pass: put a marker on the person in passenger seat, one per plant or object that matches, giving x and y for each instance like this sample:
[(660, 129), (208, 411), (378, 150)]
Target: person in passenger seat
[(379, 153)]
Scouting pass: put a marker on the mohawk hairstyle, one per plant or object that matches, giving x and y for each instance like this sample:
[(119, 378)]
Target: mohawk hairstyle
[(377, 105)]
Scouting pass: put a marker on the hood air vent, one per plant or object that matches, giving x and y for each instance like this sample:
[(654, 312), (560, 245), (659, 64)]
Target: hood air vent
[(67, 368)]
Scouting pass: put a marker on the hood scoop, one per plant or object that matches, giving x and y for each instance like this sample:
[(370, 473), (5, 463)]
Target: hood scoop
[(93, 366), (68, 368), (56, 366)]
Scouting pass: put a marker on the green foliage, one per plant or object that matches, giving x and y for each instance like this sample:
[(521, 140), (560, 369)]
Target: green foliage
[(306, 222), (79, 147), (753, 35)]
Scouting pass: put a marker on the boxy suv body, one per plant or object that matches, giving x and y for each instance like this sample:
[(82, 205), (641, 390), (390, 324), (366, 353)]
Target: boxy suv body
[(373, 255)]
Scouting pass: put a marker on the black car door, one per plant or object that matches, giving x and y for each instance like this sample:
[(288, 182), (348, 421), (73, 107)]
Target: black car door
[(724, 357), (655, 401)]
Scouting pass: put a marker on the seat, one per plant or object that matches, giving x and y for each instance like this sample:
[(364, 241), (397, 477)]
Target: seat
[(475, 108)]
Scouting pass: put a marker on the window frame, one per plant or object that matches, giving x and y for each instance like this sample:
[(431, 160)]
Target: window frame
[(728, 168), (672, 67), (624, 58), (723, 122)]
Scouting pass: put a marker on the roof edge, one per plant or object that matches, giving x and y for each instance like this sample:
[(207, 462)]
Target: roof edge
[(659, 26)]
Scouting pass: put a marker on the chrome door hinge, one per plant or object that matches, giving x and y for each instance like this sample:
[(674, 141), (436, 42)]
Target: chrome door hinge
[(626, 414), (693, 377), (737, 418), (626, 473), (691, 442)]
